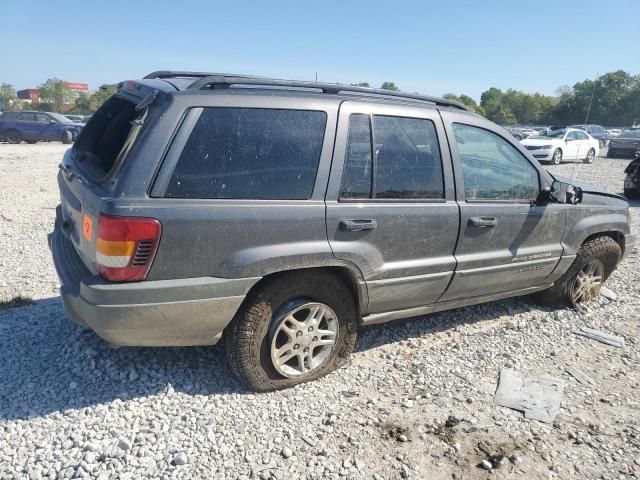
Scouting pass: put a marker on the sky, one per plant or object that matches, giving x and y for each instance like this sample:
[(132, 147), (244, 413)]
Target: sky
[(431, 47)]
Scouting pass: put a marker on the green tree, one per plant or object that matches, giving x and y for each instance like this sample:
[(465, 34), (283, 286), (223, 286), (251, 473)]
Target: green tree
[(466, 100), (389, 86), (54, 93), (7, 96)]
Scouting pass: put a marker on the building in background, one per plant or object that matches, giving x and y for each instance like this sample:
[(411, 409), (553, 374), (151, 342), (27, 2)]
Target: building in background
[(29, 94), (73, 90)]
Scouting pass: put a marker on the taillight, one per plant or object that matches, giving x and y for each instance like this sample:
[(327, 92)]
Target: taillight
[(126, 246)]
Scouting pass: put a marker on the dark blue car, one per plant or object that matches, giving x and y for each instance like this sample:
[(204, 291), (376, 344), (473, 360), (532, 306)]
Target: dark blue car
[(35, 127)]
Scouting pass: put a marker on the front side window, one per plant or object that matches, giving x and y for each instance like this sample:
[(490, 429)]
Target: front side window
[(492, 168), (582, 136), (42, 118), (250, 153), (572, 135), (404, 163)]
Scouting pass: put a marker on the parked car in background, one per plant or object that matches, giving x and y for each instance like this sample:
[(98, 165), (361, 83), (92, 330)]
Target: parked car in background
[(85, 119), (626, 144), (632, 179), (75, 118), (564, 144), (596, 131), (34, 127), (269, 212), (613, 132)]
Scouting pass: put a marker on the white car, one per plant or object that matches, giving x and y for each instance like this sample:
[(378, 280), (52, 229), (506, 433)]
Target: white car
[(564, 144)]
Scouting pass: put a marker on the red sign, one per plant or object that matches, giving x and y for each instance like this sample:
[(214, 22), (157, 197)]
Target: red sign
[(77, 86)]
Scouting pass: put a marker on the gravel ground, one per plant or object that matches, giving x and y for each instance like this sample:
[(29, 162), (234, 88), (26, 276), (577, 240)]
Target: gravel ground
[(415, 402)]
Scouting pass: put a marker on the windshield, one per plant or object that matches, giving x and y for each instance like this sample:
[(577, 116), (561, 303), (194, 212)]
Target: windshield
[(59, 118), (630, 134), (551, 134)]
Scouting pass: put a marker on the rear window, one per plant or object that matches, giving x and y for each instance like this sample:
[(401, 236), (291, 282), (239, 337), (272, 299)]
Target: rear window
[(250, 153), (107, 137)]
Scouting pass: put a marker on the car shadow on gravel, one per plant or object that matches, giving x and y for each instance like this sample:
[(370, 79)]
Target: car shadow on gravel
[(398, 330), (48, 364)]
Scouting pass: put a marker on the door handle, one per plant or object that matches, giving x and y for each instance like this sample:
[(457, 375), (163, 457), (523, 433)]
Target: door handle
[(483, 222), (358, 224)]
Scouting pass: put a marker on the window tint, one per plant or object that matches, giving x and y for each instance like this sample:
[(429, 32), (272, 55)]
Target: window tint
[(408, 163), (27, 117), (407, 159), (43, 118), (250, 153), (582, 136), (356, 176), (492, 168), (573, 135)]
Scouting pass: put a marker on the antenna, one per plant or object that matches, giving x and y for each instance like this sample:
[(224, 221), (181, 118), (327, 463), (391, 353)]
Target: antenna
[(586, 119)]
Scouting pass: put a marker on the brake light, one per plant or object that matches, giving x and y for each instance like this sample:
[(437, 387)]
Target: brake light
[(126, 247)]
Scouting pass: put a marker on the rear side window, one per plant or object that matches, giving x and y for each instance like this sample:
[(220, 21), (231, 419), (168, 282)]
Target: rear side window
[(250, 153), (403, 159), (27, 117)]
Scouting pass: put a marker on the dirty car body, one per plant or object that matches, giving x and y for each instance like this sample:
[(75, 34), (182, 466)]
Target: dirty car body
[(407, 202)]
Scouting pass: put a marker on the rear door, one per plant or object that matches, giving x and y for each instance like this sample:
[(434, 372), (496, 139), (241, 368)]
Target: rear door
[(507, 241), (390, 202), (27, 126)]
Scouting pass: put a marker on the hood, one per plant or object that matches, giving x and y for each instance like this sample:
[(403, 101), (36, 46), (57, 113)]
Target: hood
[(586, 187)]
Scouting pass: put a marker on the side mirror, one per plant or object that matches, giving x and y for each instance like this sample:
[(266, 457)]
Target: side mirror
[(562, 192)]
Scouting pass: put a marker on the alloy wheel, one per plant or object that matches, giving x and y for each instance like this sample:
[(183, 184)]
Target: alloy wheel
[(588, 282), (303, 338)]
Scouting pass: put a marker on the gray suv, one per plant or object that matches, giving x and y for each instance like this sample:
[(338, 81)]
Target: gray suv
[(281, 215)]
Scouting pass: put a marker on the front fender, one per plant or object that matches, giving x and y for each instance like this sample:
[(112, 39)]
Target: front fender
[(586, 222)]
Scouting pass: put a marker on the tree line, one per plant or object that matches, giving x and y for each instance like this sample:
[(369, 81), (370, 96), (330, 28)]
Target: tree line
[(612, 99)]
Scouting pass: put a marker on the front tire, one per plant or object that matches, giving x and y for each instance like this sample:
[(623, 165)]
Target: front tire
[(595, 261), (556, 159), (591, 156), (276, 339), (13, 136)]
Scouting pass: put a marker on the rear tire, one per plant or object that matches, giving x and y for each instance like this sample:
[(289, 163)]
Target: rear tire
[(591, 155), (13, 136), (603, 252), (251, 336), (66, 137), (556, 159)]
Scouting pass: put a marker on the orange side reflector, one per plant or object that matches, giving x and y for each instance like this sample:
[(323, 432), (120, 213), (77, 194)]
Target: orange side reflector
[(87, 227)]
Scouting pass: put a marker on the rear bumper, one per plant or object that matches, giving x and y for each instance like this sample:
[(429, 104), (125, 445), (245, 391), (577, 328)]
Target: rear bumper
[(192, 311)]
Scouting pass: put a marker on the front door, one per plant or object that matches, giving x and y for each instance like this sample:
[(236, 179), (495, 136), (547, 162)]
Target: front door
[(572, 145), (391, 208), (507, 242), (47, 127)]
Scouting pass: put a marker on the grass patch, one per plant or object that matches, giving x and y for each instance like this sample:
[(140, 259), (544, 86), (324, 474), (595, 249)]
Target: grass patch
[(16, 302)]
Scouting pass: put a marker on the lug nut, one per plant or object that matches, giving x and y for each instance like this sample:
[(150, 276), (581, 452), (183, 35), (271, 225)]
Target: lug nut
[(296, 346), (315, 339), (311, 329), (306, 350), (298, 333)]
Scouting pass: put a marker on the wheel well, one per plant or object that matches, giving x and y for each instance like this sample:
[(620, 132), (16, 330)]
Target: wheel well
[(617, 236), (342, 273)]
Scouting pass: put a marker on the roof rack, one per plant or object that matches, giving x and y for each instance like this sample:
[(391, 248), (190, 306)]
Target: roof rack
[(161, 74), (219, 81)]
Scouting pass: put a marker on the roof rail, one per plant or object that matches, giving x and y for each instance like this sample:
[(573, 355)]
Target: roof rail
[(184, 74), (218, 81)]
